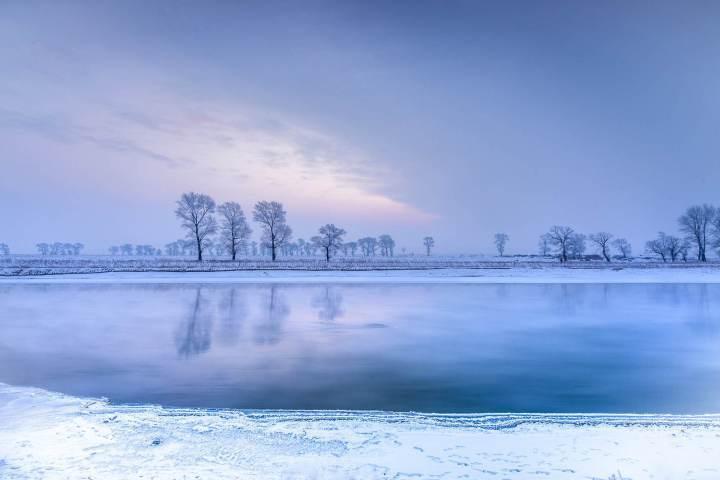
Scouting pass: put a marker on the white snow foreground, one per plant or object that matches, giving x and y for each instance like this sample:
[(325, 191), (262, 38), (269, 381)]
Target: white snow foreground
[(46, 435)]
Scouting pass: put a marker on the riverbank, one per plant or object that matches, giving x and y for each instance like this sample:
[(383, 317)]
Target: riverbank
[(658, 274), (46, 435)]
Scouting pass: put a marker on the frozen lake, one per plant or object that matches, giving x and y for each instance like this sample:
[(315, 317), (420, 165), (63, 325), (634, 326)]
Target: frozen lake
[(643, 348)]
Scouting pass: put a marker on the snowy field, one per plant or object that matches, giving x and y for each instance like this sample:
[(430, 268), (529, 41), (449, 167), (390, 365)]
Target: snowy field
[(518, 274), (34, 265), (46, 435)]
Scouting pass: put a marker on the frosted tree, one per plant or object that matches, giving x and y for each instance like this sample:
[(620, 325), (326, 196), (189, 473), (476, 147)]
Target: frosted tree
[(544, 244), (4, 249), (43, 248), (716, 230), (368, 246), (429, 243), (674, 246), (576, 245), (175, 248), (196, 212), (352, 246), (329, 240), (114, 250), (696, 223), (272, 219), (234, 229), (387, 245), (622, 246), (660, 246), (685, 249), (561, 238), (602, 242), (501, 240)]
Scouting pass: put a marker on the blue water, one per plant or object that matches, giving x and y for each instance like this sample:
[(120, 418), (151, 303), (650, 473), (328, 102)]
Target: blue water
[(645, 348)]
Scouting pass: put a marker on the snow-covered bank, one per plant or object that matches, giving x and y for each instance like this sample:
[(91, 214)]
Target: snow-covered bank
[(449, 275), (46, 435), (473, 265)]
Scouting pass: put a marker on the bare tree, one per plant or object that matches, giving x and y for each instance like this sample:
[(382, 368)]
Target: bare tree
[(602, 242), (674, 246), (234, 229), (352, 246), (501, 240), (576, 245), (561, 238), (196, 212), (368, 245), (716, 230), (429, 243), (387, 245), (330, 239), (685, 249), (276, 232), (667, 246), (622, 246), (544, 244), (657, 247), (695, 223)]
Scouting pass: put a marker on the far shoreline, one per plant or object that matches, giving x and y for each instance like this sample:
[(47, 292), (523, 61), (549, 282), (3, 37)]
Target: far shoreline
[(547, 274)]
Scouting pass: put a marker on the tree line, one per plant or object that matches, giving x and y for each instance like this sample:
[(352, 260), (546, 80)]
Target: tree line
[(224, 229), (59, 248), (699, 227)]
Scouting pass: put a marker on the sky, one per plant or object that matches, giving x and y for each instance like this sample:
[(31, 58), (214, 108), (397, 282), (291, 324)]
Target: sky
[(446, 118)]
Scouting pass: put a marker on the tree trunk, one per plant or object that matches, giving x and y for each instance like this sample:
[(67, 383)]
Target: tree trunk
[(199, 247), (327, 254), (272, 248)]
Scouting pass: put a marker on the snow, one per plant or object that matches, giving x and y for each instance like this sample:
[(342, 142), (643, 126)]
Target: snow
[(708, 274), (46, 435)]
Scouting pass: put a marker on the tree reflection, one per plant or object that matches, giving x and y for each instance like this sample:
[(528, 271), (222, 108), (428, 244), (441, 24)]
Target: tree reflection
[(193, 336), (329, 305), (269, 328), (233, 313)]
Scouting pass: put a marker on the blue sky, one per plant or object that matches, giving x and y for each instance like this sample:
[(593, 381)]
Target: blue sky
[(456, 119)]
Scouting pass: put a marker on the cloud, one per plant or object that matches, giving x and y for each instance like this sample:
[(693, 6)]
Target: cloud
[(63, 130), (127, 146)]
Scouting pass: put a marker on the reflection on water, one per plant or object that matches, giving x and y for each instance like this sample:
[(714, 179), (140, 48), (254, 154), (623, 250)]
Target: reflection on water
[(232, 313), (329, 304), (453, 348), (269, 329), (193, 336)]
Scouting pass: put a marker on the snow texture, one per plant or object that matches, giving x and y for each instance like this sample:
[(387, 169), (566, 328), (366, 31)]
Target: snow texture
[(435, 275), (46, 435), (36, 265)]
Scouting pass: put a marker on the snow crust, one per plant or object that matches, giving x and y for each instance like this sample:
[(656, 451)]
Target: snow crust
[(46, 435)]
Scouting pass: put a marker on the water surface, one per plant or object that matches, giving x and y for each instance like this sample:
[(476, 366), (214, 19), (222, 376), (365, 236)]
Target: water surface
[(643, 348)]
